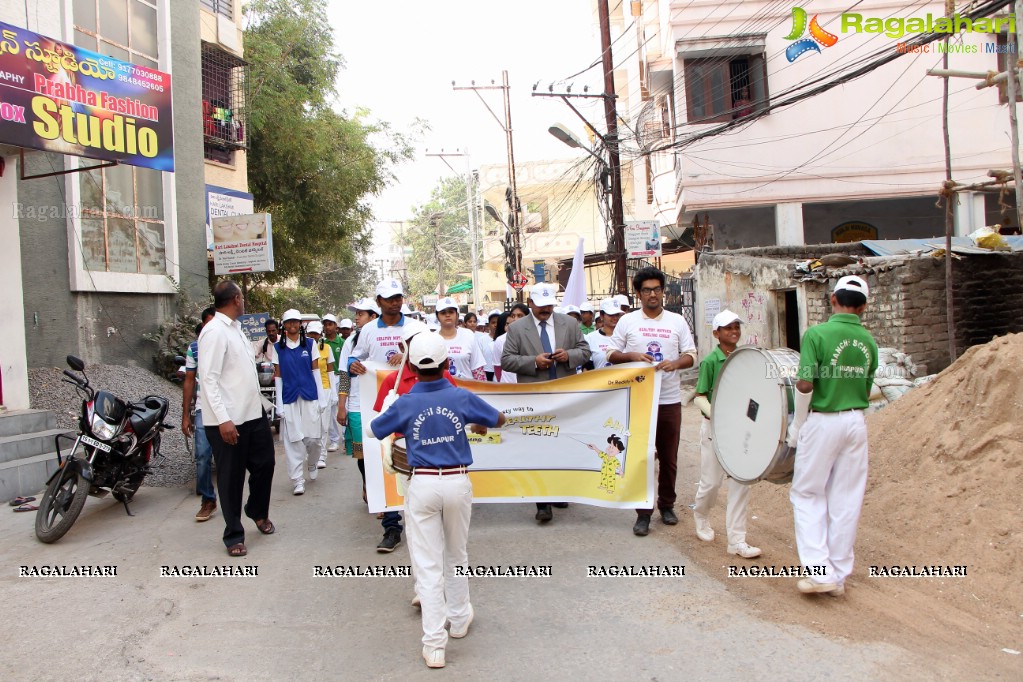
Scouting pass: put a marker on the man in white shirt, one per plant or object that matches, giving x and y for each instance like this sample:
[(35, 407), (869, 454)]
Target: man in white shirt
[(662, 338), (233, 418)]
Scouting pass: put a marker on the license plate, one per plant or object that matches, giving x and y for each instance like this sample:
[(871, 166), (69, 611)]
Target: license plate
[(95, 443)]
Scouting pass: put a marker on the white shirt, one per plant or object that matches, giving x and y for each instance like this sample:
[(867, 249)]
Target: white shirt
[(230, 387), (377, 343), (506, 376), (600, 345), (464, 353), (486, 345), (665, 337), (550, 331), (353, 403)]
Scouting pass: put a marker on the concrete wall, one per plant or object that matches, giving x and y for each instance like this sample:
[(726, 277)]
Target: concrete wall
[(13, 365)]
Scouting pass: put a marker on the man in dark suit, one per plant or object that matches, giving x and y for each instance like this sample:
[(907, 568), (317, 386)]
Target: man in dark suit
[(543, 346)]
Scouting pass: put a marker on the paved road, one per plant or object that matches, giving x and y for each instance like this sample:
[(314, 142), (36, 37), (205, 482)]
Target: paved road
[(286, 624)]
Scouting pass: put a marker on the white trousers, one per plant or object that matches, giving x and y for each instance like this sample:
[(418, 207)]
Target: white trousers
[(828, 483), (437, 514), (299, 453), (328, 427), (711, 478)]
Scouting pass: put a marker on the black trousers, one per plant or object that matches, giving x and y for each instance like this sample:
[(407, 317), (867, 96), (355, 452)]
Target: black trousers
[(254, 452)]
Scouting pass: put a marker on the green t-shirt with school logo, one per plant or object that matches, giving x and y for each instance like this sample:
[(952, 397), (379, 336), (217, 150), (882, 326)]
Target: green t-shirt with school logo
[(335, 346), (839, 357), (709, 370)]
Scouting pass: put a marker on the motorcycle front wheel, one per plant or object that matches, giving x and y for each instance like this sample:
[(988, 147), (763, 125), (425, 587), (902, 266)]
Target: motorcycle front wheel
[(61, 504)]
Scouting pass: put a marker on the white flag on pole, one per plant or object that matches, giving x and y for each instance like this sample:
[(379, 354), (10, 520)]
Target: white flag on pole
[(575, 290)]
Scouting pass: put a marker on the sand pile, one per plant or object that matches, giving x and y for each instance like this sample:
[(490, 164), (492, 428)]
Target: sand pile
[(946, 479)]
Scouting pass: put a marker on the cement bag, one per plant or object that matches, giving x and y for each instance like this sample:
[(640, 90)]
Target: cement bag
[(893, 389), (924, 380)]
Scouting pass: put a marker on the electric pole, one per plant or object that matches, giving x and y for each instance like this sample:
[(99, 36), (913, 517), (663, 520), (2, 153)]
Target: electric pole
[(514, 219), (470, 197), (614, 165)]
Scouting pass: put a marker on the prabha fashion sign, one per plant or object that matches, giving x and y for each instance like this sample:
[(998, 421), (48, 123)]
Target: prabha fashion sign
[(64, 99)]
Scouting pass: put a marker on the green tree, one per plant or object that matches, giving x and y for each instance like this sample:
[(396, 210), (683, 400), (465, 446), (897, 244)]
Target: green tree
[(439, 237), (311, 166)]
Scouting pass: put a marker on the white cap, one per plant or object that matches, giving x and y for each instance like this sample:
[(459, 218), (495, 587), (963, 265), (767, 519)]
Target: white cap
[(329, 318), (723, 319), (853, 283), (446, 303), (290, 314), (345, 324), (569, 309), (623, 300), (493, 312), (558, 309), (389, 287), (427, 351), (432, 325), (365, 304), (586, 307), (314, 327), (405, 310), (543, 294), (610, 306), (411, 328)]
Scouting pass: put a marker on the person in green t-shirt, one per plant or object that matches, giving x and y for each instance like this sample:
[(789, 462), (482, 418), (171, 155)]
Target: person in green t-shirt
[(727, 330), (836, 369)]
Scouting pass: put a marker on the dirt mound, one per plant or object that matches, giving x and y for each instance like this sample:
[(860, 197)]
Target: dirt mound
[(945, 489)]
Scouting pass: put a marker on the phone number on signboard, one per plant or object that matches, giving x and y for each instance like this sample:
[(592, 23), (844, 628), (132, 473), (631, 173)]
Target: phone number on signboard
[(141, 83)]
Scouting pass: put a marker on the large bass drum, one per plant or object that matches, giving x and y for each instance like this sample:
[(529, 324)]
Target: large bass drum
[(752, 408)]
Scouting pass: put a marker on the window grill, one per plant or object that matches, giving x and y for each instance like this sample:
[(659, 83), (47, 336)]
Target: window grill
[(224, 8), (224, 123)]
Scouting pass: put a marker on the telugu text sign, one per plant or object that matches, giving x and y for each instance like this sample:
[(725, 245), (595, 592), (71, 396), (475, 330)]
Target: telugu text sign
[(61, 98)]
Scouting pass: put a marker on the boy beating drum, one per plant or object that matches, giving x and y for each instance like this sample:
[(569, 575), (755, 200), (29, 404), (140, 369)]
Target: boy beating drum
[(727, 329), (836, 369)]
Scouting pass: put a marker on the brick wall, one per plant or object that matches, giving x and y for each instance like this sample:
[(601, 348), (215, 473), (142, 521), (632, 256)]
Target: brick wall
[(988, 295)]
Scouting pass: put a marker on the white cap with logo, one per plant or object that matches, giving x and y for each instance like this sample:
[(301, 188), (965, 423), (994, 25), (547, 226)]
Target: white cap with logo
[(345, 324), (544, 294), (389, 287), (290, 314), (364, 304), (330, 318), (446, 303), (623, 300), (610, 306)]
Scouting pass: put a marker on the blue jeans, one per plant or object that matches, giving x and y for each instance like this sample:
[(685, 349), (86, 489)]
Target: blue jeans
[(392, 519), (203, 462)]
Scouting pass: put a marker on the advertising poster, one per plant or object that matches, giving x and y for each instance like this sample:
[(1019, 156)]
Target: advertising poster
[(243, 243), (221, 202), (643, 239), (60, 98), (554, 446)]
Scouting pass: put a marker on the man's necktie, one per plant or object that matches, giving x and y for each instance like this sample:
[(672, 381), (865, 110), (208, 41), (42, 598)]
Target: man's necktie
[(545, 341)]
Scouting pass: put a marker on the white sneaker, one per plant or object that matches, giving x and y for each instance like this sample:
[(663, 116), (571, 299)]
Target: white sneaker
[(807, 586), (459, 633), (416, 603), (434, 657), (313, 471), (703, 529), (744, 550), (299, 488), (334, 447), (322, 464)]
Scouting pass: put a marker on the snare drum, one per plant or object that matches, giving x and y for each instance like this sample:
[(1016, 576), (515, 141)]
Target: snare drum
[(399, 458), (751, 412)]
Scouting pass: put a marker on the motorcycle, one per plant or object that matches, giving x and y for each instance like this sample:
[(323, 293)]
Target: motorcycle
[(115, 444)]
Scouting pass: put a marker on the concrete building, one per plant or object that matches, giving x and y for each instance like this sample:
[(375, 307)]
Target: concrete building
[(94, 259), (862, 160)]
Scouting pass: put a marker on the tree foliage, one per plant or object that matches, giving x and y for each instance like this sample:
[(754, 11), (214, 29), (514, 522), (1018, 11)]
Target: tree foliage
[(311, 166), (439, 236)]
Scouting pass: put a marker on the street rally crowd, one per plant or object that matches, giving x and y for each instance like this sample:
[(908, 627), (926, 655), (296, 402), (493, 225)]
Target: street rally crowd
[(318, 403)]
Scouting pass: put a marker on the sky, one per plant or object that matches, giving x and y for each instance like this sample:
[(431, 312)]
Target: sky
[(402, 56)]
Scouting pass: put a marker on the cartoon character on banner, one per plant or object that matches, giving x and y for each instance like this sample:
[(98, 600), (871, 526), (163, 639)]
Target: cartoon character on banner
[(612, 468)]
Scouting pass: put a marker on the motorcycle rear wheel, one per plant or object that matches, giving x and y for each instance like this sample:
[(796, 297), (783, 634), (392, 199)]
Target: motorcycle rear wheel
[(61, 504)]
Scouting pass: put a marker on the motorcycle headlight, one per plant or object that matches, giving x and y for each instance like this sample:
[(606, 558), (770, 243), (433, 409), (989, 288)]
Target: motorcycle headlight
[(102, 430)]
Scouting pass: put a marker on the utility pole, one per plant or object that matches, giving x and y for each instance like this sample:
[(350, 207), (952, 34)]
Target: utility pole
[(615, 167), (514, 220)]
